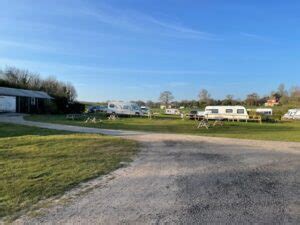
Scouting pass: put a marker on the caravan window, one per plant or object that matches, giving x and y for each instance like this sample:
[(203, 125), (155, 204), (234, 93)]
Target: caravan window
[(214, 111), (229, 111), (126, 107), (240, 111), (111, 106)]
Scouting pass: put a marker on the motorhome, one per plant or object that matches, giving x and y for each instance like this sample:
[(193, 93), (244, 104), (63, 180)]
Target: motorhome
[(292, 114), (226, 112), (123, 108), (172, 112)]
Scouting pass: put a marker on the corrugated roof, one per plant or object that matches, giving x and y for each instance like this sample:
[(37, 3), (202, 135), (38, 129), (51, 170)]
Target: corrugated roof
[(23, 93)]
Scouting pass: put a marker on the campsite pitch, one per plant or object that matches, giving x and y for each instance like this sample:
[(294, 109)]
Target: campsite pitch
[(283, 131)]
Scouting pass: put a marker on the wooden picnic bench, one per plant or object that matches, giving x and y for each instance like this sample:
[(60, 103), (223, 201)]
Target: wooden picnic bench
[(203, 123), (257, 118), (75, 116)]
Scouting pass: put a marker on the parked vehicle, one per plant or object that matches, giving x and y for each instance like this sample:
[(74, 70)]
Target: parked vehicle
[(94, 109), (292, 114), (145, 110), (124, 108), (226, 112), (172, 112), (196, 114), (262, 111)]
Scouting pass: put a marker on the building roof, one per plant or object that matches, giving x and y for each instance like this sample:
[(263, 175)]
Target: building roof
[(23, 93)]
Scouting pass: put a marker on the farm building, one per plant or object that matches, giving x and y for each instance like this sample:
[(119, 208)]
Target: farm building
[(22, 101)]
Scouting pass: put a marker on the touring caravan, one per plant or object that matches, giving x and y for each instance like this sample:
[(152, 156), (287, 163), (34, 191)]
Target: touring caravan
[(226, 112), (123, 108), (292, 114), (262, 111), (172, 112)]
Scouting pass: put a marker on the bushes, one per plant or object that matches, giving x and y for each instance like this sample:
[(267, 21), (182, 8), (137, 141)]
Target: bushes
[(76, 107)]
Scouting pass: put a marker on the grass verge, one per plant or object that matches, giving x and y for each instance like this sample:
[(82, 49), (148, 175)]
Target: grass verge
[(287, 131), (36, 163)]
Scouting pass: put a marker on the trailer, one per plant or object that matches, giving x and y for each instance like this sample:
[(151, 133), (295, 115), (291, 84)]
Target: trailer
[(292, 114), (262, 111), (172, 112), (226, 113)]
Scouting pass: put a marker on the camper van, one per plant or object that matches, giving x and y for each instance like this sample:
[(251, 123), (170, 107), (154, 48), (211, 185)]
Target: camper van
[(292, 114), (172, 112), (226, 112), (123, 108)]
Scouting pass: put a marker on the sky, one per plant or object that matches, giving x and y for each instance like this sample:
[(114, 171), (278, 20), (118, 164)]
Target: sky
[(135, 49)]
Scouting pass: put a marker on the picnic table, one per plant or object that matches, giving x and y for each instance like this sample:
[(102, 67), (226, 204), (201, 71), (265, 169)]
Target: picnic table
[(203, 123), (75, 116)]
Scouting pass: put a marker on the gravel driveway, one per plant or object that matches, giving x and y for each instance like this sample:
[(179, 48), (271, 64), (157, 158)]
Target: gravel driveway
[(180, 179)]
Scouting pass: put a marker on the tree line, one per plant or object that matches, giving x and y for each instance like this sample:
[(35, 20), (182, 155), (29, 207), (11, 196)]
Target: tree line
[(64, 93), (281, 94)]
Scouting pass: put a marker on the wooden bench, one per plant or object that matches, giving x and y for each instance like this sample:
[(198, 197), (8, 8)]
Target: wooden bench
[(75, 116), (203, 123), (255, 118)]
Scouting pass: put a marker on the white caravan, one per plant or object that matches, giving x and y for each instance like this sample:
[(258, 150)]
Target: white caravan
[(292, 114), (123, 108), (265, 111), (226, 112), (172, 112), (262, 111)]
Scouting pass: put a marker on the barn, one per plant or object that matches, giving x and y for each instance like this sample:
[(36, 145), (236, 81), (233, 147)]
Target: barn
[(23, 101)]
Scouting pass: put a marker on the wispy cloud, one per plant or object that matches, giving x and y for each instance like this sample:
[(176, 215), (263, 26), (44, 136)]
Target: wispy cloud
[(256, 37), (95, 71), (5, 43), (139, 22)]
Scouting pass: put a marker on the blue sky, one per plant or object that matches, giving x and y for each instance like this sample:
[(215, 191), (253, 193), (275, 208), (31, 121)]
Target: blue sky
[(135, 49)]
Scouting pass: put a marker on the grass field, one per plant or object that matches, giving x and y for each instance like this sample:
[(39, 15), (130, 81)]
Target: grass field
[(37, 163), (287, 131)]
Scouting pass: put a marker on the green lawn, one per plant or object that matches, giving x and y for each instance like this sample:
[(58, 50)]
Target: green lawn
[(36, 164), (287, 131)]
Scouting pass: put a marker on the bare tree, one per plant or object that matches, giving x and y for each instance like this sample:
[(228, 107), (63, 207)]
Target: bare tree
[(295, 94), (17, 78), (252, 99), (204, 97), (166, 97)]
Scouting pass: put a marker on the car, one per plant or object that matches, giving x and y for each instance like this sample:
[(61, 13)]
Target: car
[(145, 110), (196, 114), (94, 109)]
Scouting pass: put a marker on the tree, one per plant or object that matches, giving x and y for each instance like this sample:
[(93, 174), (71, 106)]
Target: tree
[(295, 94), (252, 99), (166, 97), (228, 100), (204, 97), (282, 91)]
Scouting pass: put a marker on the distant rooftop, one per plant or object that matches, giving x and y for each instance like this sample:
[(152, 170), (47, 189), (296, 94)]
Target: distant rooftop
[(23, 93)]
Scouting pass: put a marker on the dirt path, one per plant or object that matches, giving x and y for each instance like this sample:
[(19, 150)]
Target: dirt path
[(180, 179)]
